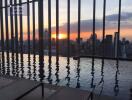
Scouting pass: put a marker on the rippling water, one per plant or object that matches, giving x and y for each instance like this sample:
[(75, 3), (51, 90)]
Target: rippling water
[(110, 77)]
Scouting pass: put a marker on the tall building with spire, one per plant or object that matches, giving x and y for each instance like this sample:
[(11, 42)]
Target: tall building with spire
[(116, 38)]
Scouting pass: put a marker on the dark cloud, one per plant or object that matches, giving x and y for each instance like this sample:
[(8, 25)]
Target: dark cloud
[(111, 23), (124, 16)]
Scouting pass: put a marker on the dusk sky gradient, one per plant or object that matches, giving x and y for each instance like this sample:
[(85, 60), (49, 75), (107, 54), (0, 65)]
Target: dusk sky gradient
[(86, 17)]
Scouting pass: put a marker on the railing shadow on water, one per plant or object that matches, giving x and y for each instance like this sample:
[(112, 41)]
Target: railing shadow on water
[(57, 70), (15, 70), (67, 78), (101, 82), (116, 87), (29, 67), (3, 63), (78, 74), (8, 64), (49, 78), (102, 78), (22, 65), (34, 67)]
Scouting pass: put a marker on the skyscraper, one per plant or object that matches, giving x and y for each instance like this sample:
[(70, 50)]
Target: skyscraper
[(123, 49), (108, 46), (116, 41)]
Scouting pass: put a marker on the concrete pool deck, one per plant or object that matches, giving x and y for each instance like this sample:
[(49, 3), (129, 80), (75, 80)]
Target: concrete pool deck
[(52, 92)]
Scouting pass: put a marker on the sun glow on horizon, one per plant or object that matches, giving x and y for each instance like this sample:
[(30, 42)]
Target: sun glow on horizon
[(61, 36)]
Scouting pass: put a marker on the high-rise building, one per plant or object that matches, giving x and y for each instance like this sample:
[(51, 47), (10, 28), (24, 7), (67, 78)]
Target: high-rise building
[(123, 49), (108, 46), (117, 45), (109, 39)]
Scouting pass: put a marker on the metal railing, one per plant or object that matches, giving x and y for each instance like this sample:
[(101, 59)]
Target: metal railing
[(14, 46), (17, 45)]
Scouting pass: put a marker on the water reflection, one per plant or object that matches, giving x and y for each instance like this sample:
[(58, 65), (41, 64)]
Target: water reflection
[(29, 67), (8, 63), (34, 67), (17, 65), (57, 70), (102, 77), (78, 74), (92, 74), (22, 65), (3, 63), (12, 64), (116, 87), (50, 71), (41, 67), (68, 72)]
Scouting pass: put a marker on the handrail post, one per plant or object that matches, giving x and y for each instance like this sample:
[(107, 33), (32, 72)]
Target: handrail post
[(41, 32)]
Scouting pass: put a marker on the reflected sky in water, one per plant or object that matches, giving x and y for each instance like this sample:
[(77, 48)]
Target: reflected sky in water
[(104, 77)]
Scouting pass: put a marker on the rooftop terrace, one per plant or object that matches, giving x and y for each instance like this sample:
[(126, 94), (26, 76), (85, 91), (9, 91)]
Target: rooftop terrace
[(54, 42)]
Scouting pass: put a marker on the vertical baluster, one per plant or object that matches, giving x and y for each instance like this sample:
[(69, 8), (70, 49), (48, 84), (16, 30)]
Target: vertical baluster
[(11, 25), (104, 17), (57, 42), (6, 26), (41, 53), (0, 34), (12, 36), (104, 14), (2, 40), (68, 43), (119, 20), (16, 34), (41, 32), (94, 35), (21, 37), (57, 31), (49, 32), (28, 31), (79, 19), (21, 28), (49, 26), (7, 36), (78, 44), (28, 25), (33, 14), (16, 27), (49, 37), (68, 28), (34, 50)]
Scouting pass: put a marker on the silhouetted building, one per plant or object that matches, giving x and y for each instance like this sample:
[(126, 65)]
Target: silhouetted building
[(108, 46), (123, 48), (92, 44), (116, 41)]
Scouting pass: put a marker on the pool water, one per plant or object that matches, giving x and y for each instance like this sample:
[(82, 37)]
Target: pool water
[(107, 77)]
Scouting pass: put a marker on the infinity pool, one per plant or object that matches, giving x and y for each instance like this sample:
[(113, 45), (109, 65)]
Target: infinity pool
[(110, 78)]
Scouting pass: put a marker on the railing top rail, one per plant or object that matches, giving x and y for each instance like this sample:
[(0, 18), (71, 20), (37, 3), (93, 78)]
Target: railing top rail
[(17, 4)]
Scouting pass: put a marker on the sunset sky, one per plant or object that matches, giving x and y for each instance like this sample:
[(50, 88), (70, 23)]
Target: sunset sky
[(86, 17)]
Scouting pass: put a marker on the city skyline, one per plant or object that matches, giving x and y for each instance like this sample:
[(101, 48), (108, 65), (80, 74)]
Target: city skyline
[(86, 18)]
